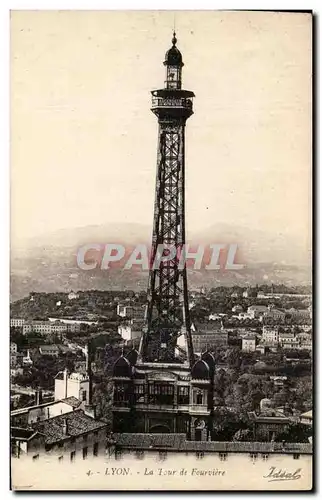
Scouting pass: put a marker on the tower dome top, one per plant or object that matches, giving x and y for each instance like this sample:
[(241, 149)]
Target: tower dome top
[(200, 370), (173, 56), (132, 356), (210, 360), (122, 368)]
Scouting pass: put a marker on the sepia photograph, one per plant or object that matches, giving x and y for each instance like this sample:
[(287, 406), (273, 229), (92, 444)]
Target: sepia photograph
[(161, 320)]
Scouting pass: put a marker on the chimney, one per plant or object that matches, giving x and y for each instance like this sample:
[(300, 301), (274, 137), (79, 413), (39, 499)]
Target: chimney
[(65, 427), (65, 383), (38, 396)]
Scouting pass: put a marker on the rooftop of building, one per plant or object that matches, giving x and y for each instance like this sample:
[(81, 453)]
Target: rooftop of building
[(76, 423), (51, 347), (35, 322), (71, 401), (74, 376), (307, 414), (249, 336), (178, 442), (210, 332), (21, 433), (258, 308), (211, 326)]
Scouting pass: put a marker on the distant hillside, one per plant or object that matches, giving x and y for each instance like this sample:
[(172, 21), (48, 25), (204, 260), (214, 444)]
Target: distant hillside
[(48, 264)]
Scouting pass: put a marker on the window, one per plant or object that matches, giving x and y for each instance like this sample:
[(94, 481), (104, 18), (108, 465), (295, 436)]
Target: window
[(119, 393), (72, 456), (253, 456), (223, 457), (139, 393), (85, 438), (200, 455), (83, 395), (161, 393), (265, 456), (96, 434), (139, 455), (85, 449), (183, 395), (95, 449), (199, 398), (296, 456), (72, 440), (35, 457)]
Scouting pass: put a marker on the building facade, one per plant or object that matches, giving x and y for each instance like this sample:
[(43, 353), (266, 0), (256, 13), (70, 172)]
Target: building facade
[(203, 341), (257, 312), (164, 447), (249, 343), (69, 436), (270, 334), (75, 385), (17, 322)]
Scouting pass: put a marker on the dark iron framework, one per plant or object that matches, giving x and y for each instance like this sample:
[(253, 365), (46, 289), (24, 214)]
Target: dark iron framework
[(162, 388), (168, 312)]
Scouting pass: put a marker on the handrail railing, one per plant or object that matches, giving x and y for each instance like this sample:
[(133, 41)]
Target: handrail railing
[(181, 102)]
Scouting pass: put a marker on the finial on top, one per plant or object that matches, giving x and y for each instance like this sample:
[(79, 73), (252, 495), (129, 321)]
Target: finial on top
[(174, 39)]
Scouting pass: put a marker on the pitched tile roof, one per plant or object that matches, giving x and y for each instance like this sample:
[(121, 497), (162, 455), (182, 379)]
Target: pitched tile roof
[(72, 401), (249, 336), (77, 422), (49, 348)]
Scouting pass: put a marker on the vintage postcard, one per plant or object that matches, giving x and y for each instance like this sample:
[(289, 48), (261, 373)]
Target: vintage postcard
[(161, 250)]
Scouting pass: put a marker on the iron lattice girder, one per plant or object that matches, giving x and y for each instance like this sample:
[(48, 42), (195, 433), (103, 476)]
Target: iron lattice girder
[(166, 284), (168, 311)]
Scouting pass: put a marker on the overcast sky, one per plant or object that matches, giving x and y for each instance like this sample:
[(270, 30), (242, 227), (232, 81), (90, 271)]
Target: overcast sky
[(83, 143)]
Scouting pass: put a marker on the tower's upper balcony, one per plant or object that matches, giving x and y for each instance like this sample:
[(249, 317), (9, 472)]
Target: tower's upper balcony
[(175, 103)]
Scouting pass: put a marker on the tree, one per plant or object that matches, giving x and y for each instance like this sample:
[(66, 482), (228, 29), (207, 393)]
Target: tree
[(221, 383), (225, 424), (243, 435), (102, 398), (17, 336), (296, 433), (233, 358)]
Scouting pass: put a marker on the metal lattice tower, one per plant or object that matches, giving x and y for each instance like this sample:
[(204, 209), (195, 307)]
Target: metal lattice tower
[(167, 316)]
